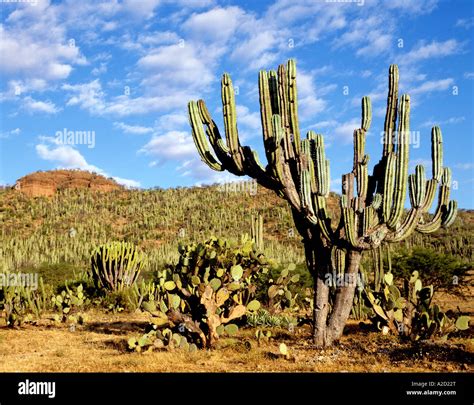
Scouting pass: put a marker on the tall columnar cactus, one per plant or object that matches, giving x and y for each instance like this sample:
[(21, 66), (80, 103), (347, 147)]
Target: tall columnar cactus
[(372, 206), (257, 231), (116, 265)]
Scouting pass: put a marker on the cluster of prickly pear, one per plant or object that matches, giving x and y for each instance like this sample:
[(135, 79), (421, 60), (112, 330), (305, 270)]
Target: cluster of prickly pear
[(411, 314), (160, 339), (68, 301), (280, 294), (21, 303), (211, 286), (116, 265)]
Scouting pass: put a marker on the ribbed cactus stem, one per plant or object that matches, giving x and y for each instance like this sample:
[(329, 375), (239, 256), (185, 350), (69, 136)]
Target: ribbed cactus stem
[(200, 139), (366, 119), (389, 182), (338, 260), (403, 145), (437, 152), (417, 186), (293, 105), (230, 120), (391, 114), (450, 214)]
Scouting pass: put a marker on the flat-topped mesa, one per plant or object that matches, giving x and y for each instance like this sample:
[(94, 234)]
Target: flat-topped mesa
[(372, 205)]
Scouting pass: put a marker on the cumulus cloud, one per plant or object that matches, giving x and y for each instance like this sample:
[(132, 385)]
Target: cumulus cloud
[(173, 145), (218, 24), (67, 157), (33, 106), (434, 49)]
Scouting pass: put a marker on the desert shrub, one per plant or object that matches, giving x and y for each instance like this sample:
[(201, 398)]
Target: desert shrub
[(437, 269), (53, 274)]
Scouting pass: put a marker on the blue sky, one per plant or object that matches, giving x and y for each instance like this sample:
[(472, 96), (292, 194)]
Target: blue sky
[(125, 70)]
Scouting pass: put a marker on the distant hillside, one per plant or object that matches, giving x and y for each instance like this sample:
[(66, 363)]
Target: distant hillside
[(65, 227), (48, 183)]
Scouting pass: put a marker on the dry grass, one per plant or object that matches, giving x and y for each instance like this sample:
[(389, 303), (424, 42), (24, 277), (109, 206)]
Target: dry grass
[(100, 346)]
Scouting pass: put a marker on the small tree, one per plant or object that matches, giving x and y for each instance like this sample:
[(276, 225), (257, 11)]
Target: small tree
[(372, 211)]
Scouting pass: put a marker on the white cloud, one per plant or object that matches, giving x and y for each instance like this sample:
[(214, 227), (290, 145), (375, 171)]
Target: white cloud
[(173, 121), (257, 51), (309, 102), (412, 7), (218, 24), (344, 131), (7, 134), (102, 68), (88, 96), (432, 85), (133, 129), (379, 43), (466, 23), (251, 120), (34, 46), (173, 145), (175, 66), (432, 50), (67, 157), (32, 106), (453, 120)]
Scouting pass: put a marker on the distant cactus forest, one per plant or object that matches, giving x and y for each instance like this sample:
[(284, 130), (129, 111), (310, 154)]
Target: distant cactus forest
[(291, 277)]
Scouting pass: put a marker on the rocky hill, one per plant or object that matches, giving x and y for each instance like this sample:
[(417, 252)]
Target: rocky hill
[(48, 183)]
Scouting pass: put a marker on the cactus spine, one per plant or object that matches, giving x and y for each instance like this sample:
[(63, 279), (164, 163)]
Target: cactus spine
[(372, 206)]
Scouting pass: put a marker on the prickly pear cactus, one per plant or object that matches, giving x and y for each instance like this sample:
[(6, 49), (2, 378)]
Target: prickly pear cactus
[(412, 313), (211, 286)]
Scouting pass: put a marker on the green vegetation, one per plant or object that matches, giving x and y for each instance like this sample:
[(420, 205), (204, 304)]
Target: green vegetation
[(438, 269)]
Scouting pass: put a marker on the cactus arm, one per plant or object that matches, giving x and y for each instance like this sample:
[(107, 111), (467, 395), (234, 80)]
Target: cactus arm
[(283, 110), (266, 114), (406, 228), (293, 106), (403, 140), (220, 148), (230, 121), (200, 138), (437, 152), (443, 201), (391, 113), (307, 182), (450, 214)]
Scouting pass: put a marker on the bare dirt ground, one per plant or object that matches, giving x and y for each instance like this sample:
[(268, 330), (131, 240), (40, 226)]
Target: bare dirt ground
[(100, 346)]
